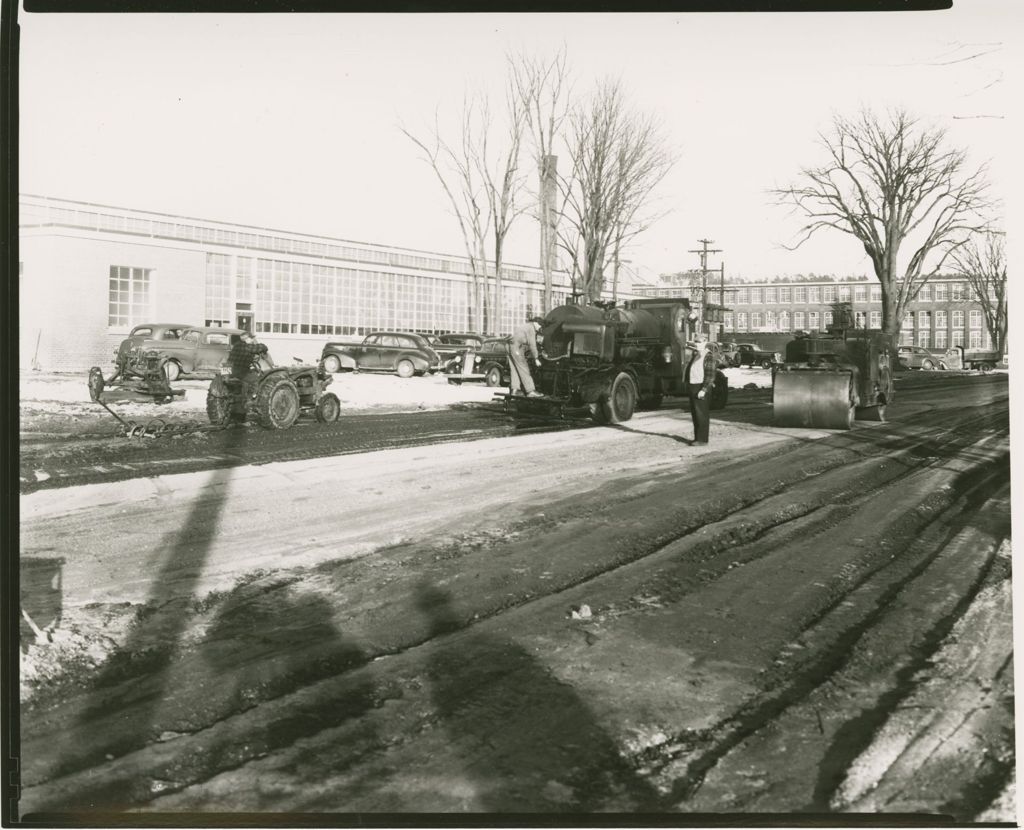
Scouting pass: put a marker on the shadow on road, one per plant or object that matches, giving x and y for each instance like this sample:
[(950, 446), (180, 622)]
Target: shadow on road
[(522, 739)]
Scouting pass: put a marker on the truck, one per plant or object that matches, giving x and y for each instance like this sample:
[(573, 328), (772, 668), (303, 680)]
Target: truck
[(957, 357), (605, 363)]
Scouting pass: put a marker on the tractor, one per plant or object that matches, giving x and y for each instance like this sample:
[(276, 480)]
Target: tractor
[(274, 396)]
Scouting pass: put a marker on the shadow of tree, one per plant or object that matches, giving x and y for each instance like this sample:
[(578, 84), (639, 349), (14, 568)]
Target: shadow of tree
[(525, 741)]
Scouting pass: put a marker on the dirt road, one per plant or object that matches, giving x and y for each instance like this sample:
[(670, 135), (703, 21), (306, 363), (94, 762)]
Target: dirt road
[(609, 619)]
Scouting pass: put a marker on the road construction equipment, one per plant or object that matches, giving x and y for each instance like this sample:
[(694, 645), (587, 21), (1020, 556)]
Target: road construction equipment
[(604, 363), (142, 375), (274, 397), (828, 380)]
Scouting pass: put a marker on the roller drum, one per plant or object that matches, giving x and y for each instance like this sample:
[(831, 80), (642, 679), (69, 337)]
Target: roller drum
[(818, 400)]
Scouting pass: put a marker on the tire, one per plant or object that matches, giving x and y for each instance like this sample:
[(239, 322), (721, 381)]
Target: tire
[(927, 365), (493, 376), (95, 383), (332, 364), (277, 403), (621, 401), (766, 364), (404, 368), (218, 409), (328, 408), (985, 367), (171, 370)]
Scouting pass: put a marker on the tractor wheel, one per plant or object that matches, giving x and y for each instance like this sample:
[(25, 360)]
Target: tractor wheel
[(218, 403), (621, 400), (332, 364), (328, 408), (277, 403), (404, 368), (171, 370), (95, 383), (720, 391), (493, 377)]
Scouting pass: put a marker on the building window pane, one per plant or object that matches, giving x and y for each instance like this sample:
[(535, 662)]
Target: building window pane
[(128, 295)]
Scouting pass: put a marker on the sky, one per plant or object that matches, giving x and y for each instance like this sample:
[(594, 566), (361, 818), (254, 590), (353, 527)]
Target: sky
[(293, 121)]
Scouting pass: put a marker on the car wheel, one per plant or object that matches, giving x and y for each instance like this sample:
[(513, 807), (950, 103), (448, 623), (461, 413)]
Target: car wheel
[(621, 400), (328, 408), (172, 371), (766, 364), (332, 364), (405, 369), (278, 403), (985, 367), (927, 365), (493, 377)]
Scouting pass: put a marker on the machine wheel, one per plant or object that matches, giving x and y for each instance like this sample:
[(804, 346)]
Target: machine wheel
[(493, 377), (328, 408), (95, 383), (404, 368), (171, 370), (278, 403), (332, 364), (621, 400), (720, 391), (218, 409), (927, 365)]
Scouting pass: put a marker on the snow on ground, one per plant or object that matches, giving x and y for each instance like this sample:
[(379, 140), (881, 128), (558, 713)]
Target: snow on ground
[(358, 393)]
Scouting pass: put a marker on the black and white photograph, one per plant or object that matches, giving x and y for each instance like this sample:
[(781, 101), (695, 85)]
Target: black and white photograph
[(512, 418)]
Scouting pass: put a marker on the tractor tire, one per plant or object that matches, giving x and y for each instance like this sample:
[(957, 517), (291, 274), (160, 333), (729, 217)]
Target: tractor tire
[(618, 406), (332, 364), (277, 403), (404, 368), (328, 408), (218, 403), (171, 370), (493, 376), (95, 383)]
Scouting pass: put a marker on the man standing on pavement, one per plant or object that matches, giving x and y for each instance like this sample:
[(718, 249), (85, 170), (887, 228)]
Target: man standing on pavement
[(524, 339), (700, 378)]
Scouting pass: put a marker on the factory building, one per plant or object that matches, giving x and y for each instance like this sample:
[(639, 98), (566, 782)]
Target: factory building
[(944, 313), (88, 273)]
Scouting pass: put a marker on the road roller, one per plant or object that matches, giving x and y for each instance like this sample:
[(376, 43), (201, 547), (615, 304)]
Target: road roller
[(828, 380)]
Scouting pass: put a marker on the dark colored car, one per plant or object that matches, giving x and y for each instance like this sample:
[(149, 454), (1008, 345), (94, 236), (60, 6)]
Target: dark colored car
[(404, 353), (489, 364), (750, 354), (183, 349), (918, 357), (448, 346)]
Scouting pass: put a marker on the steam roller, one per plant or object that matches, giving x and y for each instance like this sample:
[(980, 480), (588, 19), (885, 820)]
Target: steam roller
[(828, 381)]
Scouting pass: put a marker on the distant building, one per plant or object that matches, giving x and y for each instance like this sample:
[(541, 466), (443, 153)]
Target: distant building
[(88, 273), (945, 312)]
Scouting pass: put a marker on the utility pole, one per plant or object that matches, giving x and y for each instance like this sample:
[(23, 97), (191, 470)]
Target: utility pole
[(703, 252)]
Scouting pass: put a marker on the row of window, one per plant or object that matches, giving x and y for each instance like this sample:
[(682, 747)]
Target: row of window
[(938, 292), (812, 320)]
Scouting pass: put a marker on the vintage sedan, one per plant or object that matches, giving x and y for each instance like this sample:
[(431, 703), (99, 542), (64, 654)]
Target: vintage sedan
[(404, 353), (918, 357), (489, 363), (182, 349)]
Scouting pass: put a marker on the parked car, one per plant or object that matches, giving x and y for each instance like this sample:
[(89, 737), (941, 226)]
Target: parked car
[(489, 364), (448, 346), (182, 349), (918, 357), (750, 354), (404, 353), (728, 352)]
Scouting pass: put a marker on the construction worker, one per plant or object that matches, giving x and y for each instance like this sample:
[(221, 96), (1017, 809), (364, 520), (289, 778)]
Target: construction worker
[(524, 339), (700, 379)]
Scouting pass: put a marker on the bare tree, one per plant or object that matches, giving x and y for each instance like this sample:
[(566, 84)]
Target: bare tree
[(457, 172), (983, 265), (545, 88), (617, 158), (890, 183)]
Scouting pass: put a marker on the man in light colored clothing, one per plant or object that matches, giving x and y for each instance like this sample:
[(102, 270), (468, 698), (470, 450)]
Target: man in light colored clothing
[(700, 378), (524, 339)]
